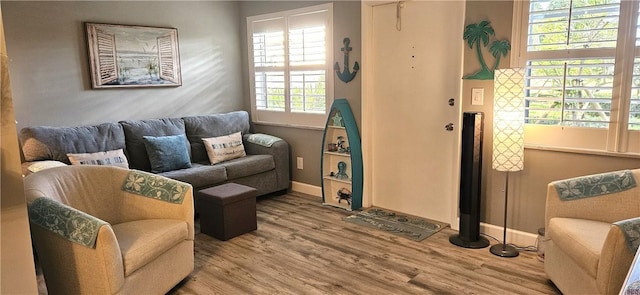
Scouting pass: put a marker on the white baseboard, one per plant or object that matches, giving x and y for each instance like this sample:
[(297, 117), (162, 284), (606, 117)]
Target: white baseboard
[(306, 188), (519, 238), (516, 237)]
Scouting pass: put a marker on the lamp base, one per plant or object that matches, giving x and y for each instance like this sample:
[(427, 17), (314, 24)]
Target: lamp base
[(503, 250)]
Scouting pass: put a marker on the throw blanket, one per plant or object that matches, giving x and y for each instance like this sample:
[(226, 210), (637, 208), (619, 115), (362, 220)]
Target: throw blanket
[(154, 186), (70, 223), (594, 185), (631, 230), (263, 139)]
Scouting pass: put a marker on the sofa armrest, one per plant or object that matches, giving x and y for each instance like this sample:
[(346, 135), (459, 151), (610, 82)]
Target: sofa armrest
[(606, 208), (140, 202), (64, 274), (614, 263), (279, 149)]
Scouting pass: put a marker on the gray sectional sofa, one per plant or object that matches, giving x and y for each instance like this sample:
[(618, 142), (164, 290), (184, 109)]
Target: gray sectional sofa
[(265, 166)]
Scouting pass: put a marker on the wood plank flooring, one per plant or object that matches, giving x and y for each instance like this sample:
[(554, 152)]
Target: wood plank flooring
[(302, 247)]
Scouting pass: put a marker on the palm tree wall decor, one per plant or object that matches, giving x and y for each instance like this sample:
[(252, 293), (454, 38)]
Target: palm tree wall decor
[(480, 34)]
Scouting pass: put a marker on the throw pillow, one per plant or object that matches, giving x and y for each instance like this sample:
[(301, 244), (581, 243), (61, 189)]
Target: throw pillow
[(167, 153), (41, 165), (113, 158), (224, 148)]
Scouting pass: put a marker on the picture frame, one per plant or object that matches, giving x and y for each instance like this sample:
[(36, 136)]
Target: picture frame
[(124, 56)]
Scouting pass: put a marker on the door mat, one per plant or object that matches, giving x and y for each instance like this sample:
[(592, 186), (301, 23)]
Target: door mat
[(411, 227)]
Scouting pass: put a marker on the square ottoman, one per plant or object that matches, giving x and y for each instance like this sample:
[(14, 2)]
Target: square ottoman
[(227, 210)]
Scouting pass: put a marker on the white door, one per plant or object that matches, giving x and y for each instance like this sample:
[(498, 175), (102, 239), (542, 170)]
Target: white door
[(415, 68)]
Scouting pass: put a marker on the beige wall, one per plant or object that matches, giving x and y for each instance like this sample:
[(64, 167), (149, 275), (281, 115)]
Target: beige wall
[(527, 189), (306, 143)]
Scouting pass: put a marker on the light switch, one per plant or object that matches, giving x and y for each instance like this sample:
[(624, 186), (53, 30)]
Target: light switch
[(477, 96)]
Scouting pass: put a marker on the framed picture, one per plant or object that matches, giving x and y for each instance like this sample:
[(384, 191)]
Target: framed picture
[(133, 56)]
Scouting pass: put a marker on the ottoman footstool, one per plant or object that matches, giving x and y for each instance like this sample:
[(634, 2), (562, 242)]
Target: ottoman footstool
[(227, 210)]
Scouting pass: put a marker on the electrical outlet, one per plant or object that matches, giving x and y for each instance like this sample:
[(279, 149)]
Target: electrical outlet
[(300, 163)]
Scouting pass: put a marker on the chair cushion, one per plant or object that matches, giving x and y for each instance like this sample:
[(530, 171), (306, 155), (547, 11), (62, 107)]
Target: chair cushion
[(143, 241), (580, 239)]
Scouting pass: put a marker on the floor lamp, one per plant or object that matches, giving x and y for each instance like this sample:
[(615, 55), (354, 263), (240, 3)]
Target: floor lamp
[(508, 137)]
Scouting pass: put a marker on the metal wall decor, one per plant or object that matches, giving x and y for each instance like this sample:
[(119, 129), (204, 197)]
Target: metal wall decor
[(480, 34), (346, 75)]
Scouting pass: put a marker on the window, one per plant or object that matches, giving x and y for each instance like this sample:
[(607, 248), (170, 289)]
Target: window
[(290, 66), (583, 73)]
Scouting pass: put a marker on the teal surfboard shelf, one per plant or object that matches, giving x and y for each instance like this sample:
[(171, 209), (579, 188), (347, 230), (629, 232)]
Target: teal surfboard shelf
[(341, 164)]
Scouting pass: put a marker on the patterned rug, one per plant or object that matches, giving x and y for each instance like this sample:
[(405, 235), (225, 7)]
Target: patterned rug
[(403, 225)]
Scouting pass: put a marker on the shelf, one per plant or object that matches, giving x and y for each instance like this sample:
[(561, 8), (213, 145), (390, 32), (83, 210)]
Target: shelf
[(348, 180), (341, 138), (338, 154)]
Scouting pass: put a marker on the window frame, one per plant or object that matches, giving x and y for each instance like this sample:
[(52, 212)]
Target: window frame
[(617, 139), (287, 117)]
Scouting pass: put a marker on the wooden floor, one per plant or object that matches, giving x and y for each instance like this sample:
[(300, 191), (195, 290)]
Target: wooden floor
[(302, 247)]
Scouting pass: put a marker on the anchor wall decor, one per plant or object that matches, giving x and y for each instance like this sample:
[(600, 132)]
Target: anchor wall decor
[(346, 75)]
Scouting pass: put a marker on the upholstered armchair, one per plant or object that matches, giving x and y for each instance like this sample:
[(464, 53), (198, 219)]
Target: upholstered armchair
[(592, 225), (110, 230)]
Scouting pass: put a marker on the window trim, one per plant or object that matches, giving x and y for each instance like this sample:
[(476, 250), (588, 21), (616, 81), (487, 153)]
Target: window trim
[(288, 118), (617, 139)]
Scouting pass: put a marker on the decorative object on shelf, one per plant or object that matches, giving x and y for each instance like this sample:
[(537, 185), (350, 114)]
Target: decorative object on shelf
[(346, 76), (340, 145), (508, 137), (337, 120), (344, 194), (332, 147), (479, 34), (342, 171), (133, 56)]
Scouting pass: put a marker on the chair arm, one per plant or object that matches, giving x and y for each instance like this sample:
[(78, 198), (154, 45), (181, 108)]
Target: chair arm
[(136, 206), (276, 147), (606, 208), (71, 268), (615, 260)]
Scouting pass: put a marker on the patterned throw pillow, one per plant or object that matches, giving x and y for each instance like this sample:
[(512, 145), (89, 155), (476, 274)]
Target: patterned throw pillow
[(167, 153), (224, 148), (112, 158)]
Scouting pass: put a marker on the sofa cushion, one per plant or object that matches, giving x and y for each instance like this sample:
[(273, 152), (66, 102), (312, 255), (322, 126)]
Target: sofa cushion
[(167, 153), (580, 239), (249, 165), (223, 148), (199, 127), (54, 143), (142, 241), (199, 175), (134, 130), (112, 158)]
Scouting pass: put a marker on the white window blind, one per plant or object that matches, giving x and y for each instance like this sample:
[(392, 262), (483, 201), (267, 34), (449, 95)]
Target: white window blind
[(580, 89), (289, 62)]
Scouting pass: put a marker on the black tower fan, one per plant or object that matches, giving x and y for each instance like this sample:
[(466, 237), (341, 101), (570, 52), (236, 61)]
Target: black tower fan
[(470, 183)]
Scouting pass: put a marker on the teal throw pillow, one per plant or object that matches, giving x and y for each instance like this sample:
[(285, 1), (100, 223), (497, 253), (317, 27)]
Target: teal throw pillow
[(167, 153)]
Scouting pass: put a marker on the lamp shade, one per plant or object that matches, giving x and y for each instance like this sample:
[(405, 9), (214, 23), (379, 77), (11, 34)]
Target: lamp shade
[(508, 120)]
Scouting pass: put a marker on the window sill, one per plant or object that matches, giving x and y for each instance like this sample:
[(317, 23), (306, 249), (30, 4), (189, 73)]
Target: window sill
[(288, 125), (582, 151)]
